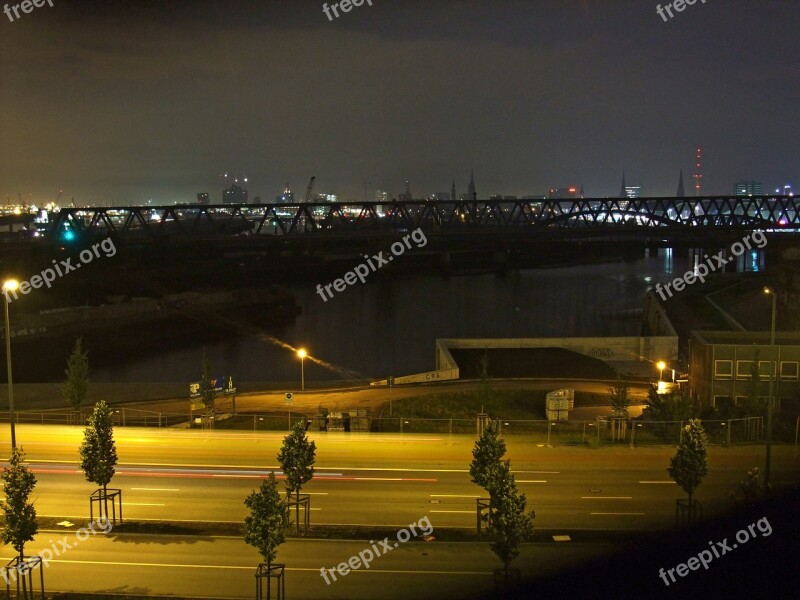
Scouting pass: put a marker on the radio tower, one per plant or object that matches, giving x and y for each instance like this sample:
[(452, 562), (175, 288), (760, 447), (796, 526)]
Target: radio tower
[(698, 174)]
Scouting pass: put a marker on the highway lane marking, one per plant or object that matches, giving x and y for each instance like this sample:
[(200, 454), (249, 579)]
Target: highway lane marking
[(389, 479), (616, 513), (143, 504), (156, 489), (670, 482), (250, 568), (606, 497), (471, 512), (531, 481), (454, 496)]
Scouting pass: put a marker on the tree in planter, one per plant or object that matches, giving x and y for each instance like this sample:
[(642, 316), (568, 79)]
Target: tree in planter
[(98, 450), (486, 455), (510, 525), (76, 385), (296, 459), (208, 393), (620, 400), (690, 464), (264, 526), (486, 464), (20, 524)]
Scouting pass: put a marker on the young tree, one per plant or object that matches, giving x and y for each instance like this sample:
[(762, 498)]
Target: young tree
[(690, 464), (510, 524), (296, 459), (208, 393), (487, 456), (98, 450), (620, 400), (264, 527), (76, 385), (20, 515)]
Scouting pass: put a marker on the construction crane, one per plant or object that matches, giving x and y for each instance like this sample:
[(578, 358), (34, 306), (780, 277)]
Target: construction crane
[(310, 189), (59, 197)]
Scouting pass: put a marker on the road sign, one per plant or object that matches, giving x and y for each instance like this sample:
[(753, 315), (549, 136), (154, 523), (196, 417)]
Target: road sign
[(288, 396)]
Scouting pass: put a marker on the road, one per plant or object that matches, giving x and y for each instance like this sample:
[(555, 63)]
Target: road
[(221, 567), (382, 479)]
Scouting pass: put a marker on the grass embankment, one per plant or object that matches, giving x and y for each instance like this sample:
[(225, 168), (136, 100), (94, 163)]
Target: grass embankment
[(503, 404)]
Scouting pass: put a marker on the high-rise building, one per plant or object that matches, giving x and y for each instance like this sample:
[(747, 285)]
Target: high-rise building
[(453, 191), (202, 198), (633, 191), (381, 196), (748, 188), (622, 193), (565, 193), (680, 193), (235, 194), (406, 195), (287, 197)]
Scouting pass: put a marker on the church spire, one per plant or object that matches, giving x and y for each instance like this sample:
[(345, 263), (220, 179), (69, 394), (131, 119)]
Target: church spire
[(622, 193), (473, 194), (453, 190)]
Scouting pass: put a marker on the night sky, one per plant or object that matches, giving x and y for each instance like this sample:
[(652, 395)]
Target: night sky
[(122, 102)]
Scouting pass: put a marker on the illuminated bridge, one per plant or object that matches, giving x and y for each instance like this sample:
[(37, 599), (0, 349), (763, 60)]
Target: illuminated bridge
[(648, 216)]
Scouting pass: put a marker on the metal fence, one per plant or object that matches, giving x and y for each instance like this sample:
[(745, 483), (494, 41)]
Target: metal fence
[(603, 430)]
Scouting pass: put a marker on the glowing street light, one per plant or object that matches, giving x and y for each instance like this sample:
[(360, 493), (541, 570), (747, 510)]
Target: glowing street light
[(10, 285), (661, 366), (302, 354)]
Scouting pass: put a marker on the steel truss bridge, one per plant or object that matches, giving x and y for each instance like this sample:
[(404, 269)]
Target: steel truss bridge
[(653, 215)]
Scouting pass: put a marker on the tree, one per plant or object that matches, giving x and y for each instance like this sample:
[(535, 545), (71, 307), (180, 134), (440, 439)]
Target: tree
[(98, 450), (208, 393), (264, 527), (620, 400), (752, 486), (20, 524), (690, 464), (296, 459), (487, 455), (76, 385), (510, 524)]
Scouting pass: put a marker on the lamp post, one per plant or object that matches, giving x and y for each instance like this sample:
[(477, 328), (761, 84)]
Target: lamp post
[(661, 366), (302, 354), (773, 376), (10, 285)]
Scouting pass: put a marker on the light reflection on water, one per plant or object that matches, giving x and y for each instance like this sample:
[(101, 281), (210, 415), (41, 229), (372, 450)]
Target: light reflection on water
[(389, 327)]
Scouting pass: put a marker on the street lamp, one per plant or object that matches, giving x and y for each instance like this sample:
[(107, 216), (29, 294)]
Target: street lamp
[(10, 285), (661, 366), (302, 354), (770, 400)]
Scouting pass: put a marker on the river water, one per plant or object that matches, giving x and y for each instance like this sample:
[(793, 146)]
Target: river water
[(389, 327)]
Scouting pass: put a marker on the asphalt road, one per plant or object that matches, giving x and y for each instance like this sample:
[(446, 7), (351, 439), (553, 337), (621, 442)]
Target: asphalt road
[(382, 479), (218, 567)]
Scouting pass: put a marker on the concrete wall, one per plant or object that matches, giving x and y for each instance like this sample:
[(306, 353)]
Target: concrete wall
[(608, 349)]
